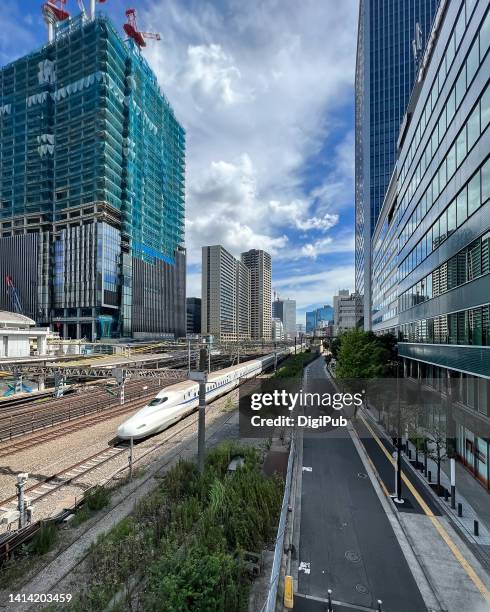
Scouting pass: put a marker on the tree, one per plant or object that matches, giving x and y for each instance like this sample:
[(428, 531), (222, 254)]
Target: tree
[(360, 356), (335, 346), (437, 437)]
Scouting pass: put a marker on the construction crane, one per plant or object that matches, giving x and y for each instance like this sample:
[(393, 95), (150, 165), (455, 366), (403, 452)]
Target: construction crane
[(132, 31), (53, 11), (14, 296)]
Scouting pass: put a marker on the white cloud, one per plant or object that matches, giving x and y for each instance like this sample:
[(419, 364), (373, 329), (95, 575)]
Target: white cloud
[(296, 214), (256, 87), (210, 72), (314, 289), (326, 245)]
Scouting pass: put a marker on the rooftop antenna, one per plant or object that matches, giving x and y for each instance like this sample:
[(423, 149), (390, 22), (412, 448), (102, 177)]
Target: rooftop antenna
[(53, 11), (132, 31)]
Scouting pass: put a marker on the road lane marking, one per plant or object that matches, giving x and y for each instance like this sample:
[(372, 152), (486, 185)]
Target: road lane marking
[(439, 527), (304, 567), (336, 602), (307, 469)]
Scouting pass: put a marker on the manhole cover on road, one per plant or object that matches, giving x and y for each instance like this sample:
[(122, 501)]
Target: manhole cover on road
[(352, 556), (360, 588)]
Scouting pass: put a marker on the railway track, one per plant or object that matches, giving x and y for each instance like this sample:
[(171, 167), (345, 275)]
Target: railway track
[(54, 483), (40, 490), (37, 439), (29, 420)]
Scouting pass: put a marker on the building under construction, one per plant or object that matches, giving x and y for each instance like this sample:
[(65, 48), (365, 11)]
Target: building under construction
[(91, 187)]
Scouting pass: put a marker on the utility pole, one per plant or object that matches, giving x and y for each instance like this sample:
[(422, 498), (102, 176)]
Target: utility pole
[(130, 458), (201, 376), (20, 485), (188, 356)]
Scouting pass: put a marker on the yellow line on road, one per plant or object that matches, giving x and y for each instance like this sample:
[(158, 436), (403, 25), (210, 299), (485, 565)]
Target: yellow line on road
[(437, 524)]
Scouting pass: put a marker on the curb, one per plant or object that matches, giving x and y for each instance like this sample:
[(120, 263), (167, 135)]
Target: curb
[(472, 545)]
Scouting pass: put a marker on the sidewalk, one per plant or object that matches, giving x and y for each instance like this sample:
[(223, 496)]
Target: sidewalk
[(474, 499)]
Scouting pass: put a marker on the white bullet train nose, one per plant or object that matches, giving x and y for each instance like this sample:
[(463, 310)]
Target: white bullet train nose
[(127, 430)]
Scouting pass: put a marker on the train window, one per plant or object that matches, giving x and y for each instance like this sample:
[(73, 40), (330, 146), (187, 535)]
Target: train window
[(157, 401)]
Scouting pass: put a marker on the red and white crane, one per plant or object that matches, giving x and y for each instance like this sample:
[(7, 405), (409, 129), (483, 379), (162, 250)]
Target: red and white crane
[(53, 11), (132, 31)]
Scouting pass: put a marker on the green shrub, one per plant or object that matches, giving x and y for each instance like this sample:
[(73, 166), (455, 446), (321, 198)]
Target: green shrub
[(196, 580), (292, 367), (182, 547), (44, 540), (97, 498)]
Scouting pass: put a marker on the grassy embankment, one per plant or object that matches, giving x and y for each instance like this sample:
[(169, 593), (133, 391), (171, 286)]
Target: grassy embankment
[(182, 548)]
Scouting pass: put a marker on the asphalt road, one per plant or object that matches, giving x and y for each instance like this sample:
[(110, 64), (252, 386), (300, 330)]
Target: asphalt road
[(346, 541)]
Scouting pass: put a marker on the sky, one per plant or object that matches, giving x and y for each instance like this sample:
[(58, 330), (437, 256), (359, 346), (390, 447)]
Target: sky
[(265, 91)]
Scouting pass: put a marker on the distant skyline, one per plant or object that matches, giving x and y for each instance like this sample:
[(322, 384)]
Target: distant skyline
[(261, 173)]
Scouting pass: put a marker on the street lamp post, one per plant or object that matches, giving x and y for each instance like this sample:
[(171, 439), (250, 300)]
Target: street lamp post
[(398, 480)]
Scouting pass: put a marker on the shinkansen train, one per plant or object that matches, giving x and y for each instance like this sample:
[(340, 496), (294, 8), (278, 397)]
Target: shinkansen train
[(177, 401)]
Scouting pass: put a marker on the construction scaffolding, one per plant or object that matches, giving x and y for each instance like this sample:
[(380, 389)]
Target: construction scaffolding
[(86, 133)]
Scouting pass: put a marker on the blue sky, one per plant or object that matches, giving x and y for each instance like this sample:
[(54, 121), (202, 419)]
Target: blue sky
[(265, 90)]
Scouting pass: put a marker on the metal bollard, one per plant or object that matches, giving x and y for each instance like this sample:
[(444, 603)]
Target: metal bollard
[(409, 453), (329, 596), (460, 509), (476, 529), (429, 476), (380, 603), (445, 495)]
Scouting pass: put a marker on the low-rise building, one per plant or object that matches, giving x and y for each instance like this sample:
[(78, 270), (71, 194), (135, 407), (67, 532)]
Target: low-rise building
[(348, 311), (277, 329), (19, 337)]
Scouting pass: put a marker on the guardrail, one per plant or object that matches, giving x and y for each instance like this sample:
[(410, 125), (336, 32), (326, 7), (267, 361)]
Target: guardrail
[(270, 604)]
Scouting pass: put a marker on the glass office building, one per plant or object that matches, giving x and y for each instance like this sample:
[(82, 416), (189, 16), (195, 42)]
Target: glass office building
[(385, 75), (92, 187), (431, 246)]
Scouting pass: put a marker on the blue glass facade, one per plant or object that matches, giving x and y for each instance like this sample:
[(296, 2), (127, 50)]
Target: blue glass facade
[(431, 245), (385, 75), (315, 317)]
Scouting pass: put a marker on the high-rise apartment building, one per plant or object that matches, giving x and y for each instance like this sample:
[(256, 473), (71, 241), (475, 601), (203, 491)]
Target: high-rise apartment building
[(431, 245), (385, 75), (225, 304), (91, 187), (260, 265), (285, 311)]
